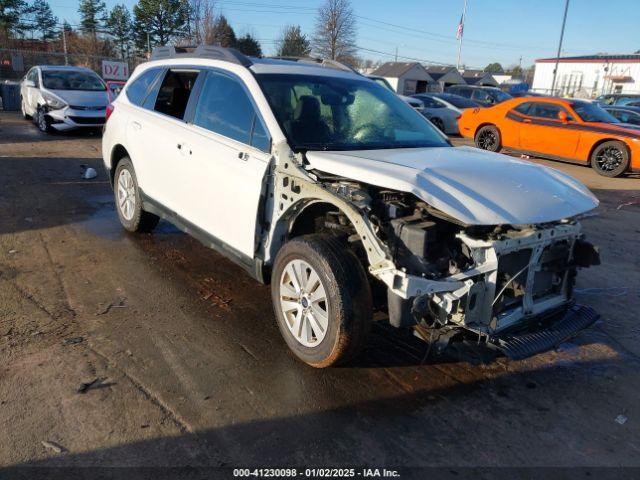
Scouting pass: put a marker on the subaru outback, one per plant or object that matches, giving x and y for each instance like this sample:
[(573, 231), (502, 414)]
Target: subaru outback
[(348, 202)]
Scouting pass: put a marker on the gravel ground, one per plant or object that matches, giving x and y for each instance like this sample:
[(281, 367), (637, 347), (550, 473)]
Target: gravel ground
[(151, 350)]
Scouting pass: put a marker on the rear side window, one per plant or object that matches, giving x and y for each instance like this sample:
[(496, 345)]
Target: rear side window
[(137, 91), (523, 108), (464, 92), (224, 107), (546, 110), (174, 92)]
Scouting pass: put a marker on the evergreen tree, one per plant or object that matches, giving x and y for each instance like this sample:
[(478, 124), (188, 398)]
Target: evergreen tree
[(120, 26), (45, 20), (221, 34), (493, 68), (92, 15), (249, 46), (293, 43), (162, 20), (10, 12)]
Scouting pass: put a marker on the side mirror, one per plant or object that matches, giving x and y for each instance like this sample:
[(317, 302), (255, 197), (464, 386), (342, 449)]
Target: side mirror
[(562, 116), (29, 83)]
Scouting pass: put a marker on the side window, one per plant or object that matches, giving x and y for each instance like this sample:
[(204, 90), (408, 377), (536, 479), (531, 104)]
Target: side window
[(33, 76), (174, 92), (430, 102), (137, 91), (480, 96), (546, 110), (464, 92), (523, 108), (224, 107)]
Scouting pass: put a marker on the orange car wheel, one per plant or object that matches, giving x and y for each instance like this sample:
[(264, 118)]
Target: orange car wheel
[(610, 159), (488, 138)]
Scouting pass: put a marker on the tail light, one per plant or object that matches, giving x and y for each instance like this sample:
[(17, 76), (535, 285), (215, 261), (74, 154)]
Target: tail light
[(110, 109), (458, 117)]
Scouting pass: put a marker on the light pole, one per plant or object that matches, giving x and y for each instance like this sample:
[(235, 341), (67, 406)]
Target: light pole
[(555, 70)]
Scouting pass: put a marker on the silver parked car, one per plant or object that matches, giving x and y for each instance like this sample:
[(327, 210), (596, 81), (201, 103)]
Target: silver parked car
[(440, 112), (63, 98)]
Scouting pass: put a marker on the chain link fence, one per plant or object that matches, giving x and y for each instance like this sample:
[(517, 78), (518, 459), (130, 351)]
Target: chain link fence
[(15, 63)]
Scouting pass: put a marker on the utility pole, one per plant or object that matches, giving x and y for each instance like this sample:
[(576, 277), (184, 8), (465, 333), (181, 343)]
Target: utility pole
[(555, 70), (461, 33), (64, 45)]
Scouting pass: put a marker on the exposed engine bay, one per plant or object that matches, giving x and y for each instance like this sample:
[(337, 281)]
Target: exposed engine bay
[(505, 279)]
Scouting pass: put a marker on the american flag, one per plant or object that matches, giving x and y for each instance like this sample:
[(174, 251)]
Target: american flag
[(460, 27)]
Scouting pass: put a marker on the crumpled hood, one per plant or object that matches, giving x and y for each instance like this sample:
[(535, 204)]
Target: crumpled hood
[(82, 98), (474, 186)]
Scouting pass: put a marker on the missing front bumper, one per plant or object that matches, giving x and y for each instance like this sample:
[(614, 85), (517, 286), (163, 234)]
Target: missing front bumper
[(559, 328)]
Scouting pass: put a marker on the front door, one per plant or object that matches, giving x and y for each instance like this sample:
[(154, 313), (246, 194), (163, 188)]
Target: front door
[(545, 133), (224, 157)]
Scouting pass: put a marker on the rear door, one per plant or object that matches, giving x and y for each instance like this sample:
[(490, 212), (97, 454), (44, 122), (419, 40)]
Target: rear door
[(543, 132), (224, 157), (155, 130)]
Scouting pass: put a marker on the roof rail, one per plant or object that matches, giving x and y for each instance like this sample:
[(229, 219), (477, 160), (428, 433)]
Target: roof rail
[(325, 62), (202, 51)]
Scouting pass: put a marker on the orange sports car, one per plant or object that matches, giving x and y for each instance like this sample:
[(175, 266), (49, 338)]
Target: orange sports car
[(560, 129)]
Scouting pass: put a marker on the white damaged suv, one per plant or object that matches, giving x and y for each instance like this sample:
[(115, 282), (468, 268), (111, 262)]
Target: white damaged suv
[(348, 202)]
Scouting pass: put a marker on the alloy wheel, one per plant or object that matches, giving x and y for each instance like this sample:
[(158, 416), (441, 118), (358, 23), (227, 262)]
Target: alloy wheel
[(487, 140), (609, 158), (304, 303), (126, 195)]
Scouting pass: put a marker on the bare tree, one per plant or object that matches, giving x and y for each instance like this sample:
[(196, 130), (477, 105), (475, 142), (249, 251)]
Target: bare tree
[(201, 19), (335, 35)]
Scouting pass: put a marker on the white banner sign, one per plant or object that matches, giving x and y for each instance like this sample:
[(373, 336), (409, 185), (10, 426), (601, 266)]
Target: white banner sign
[(114, 70)]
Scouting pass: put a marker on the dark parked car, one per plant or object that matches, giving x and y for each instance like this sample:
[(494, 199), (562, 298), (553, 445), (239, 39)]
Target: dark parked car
[(626, 113), (485, 96), (619, 99)]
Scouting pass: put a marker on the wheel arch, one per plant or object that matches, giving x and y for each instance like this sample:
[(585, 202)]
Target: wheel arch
[(486, 124), (117, 154)]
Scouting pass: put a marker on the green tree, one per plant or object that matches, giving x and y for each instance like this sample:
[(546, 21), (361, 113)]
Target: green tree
[(10, 13), (92, 15), (249, 46), (293, 43), (221, 33), (120, 26), (162, 20), (515, 71), (45, 20), (335, 35), (494, 68)]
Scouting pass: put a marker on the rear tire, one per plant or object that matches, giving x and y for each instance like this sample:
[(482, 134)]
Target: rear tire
[(316, 267), (488, 138), (610, 159), (439, 124), (24, 110), (128, 201)]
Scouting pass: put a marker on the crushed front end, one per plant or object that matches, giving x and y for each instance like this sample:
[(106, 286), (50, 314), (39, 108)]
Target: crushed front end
[(513, 283)]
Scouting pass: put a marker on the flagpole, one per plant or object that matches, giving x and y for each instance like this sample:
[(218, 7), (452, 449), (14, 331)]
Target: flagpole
[(464, 15)]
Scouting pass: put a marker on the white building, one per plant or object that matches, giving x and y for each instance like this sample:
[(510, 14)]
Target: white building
[(589, 76)]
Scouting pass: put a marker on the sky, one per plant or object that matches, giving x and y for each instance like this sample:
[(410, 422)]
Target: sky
[(504, 31)]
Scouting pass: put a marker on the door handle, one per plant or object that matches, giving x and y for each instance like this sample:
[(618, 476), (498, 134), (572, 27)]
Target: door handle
[(136, 125), (243, 156)]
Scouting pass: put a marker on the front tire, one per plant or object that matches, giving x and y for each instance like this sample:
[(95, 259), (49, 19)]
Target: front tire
[(610, 159), (488, 138), (42, 122), (321, 299), (128, 201)]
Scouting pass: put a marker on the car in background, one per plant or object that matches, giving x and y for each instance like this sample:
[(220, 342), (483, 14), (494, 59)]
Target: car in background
[(527, 94), (440, 112), (485, 96), (625, 114), (619, 99), (456, 100), (414, 102), (63, 98), (559, 129)]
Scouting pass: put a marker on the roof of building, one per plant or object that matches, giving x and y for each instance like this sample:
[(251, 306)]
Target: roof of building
[(438, 72), (597, 58), (474, 76), (394, 69)]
